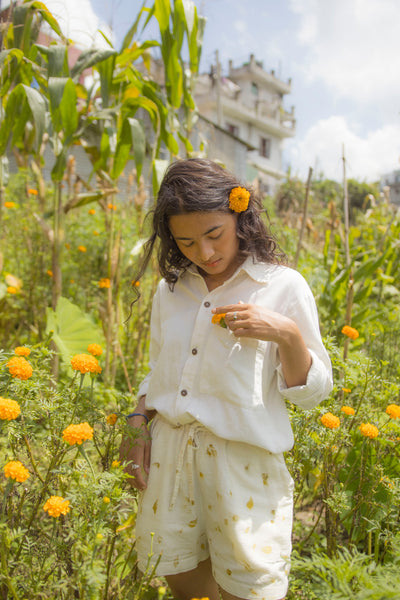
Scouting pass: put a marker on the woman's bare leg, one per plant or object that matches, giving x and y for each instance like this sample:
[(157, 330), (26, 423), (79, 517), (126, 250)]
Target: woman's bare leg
[(197, 583)]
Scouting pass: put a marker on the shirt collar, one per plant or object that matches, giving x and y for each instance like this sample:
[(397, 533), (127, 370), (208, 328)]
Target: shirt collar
[(259, 271)]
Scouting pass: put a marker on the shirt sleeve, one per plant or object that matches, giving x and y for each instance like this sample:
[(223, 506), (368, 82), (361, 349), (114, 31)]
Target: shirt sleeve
[(319, 383), (155, 337)]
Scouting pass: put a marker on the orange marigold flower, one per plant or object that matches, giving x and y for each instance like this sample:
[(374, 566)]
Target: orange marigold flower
[(16, 470), (9, 409), (91, 211), (33, 192), (350, 332), (239, 199), (85, 363), (95, 349), (68, 246), (76, 434), (115, 463), (49, 272), (112, 206), (82, 248), (11, 289), (369, 430), (106, 500), (219, 319), (104, 282), (96, 233), (346, 390), (22, 351), (348, 410), (19, 367), (393, 410), (329, 420), (56, 506), (135, 283), (9, 204), (111, 419)]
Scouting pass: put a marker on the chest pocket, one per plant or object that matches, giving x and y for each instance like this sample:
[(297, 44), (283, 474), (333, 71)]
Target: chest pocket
[(233, 368)]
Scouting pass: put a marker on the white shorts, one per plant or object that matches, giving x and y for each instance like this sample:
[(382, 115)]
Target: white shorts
[(210, 497)]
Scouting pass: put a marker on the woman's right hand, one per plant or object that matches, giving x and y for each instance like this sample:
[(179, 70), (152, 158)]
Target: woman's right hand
[(135, 450)]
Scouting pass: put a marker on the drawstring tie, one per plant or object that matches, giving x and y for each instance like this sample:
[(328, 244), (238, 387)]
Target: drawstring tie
[(188, 442)]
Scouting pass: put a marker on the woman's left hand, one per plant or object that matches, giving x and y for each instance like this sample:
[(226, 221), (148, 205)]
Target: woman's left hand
[(250, 320)]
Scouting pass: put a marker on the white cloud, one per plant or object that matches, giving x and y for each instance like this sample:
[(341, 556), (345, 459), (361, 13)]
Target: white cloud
[(79, 22), (367, 158), (353, 47)]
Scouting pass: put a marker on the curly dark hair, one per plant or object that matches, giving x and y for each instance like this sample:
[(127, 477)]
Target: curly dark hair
[(201, 185)]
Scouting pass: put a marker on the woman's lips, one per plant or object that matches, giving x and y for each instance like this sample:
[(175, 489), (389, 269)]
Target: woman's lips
[(213, 263)]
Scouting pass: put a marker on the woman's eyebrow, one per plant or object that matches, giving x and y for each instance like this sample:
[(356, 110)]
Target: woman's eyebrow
[(205, 233)]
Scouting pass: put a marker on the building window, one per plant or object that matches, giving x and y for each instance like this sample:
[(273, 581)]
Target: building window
[(265, 147), (232, 129), (254, 88)]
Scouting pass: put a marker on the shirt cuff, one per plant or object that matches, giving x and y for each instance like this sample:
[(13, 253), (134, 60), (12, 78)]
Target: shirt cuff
[(316, 388)]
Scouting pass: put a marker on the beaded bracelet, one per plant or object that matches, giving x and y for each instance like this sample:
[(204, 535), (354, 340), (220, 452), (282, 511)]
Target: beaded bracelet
[(136, 414)]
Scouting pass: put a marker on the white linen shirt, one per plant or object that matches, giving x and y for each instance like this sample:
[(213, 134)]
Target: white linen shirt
[(201, 372)]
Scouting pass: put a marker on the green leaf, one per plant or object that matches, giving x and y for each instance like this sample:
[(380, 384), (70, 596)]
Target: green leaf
[(37, 105), (139, 144), (68, 110), (133, 30), (48, 17), (23, 104), (106, 71), (162, 13), (90, 58), (57, 58), (72, 329), (56, 86), (159, 168)]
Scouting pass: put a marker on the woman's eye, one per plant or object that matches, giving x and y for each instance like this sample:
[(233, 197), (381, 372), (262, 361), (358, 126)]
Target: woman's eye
[(188, 245), (215, 237)]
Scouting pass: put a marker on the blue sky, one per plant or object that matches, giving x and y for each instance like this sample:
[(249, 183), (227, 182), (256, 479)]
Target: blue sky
[(343, 58)]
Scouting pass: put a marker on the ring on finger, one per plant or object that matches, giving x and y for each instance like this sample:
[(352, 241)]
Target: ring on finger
[(235, 316)]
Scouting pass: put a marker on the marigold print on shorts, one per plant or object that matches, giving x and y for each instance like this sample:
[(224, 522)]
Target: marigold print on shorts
[(239, 199), (19, 367), (16, 470), (95, 349), (22, 351), (76, 434), (369, 430), (350, 332), (111, 419), (85, 363), (104, 282), (329, 420), (347, 410), (9, 409), (56, 506), (393, 410)]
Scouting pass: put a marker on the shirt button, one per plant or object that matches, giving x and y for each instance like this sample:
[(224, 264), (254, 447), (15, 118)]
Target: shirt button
[(194, 351), (183, 392), (207, 304)]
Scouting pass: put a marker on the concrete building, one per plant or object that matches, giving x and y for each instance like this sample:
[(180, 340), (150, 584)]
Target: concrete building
[(392, 181), (248, 105)]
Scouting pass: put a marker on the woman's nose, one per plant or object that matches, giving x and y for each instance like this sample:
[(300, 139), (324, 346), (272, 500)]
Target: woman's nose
[(206, 251)]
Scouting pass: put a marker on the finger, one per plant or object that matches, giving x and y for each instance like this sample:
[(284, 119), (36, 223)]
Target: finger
[(229, 308)]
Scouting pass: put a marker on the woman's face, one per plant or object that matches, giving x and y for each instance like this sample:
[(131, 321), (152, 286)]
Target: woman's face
[(208, 240)]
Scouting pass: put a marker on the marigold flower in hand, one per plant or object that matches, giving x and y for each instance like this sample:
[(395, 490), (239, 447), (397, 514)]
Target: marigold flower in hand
[(16, 470), (22, 351), (19, 367), (347, 410), (239, 199), (219, 319), (9, 409), (350, 332), (95, 349), (393, 410), (56, 506), (85, 363), (76, 434), (111, 419), (369, 430), (329, 420), (104, 282)]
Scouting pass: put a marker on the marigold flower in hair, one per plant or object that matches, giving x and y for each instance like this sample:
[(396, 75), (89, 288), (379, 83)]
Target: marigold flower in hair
[(369, 430), (9, 409), (393, 410), (19, 367), (350, 332), (347, 410), (16, 470), (330, 421), (85, 363), (56, 506), (76, 434), (239, 199), (95, 349)]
